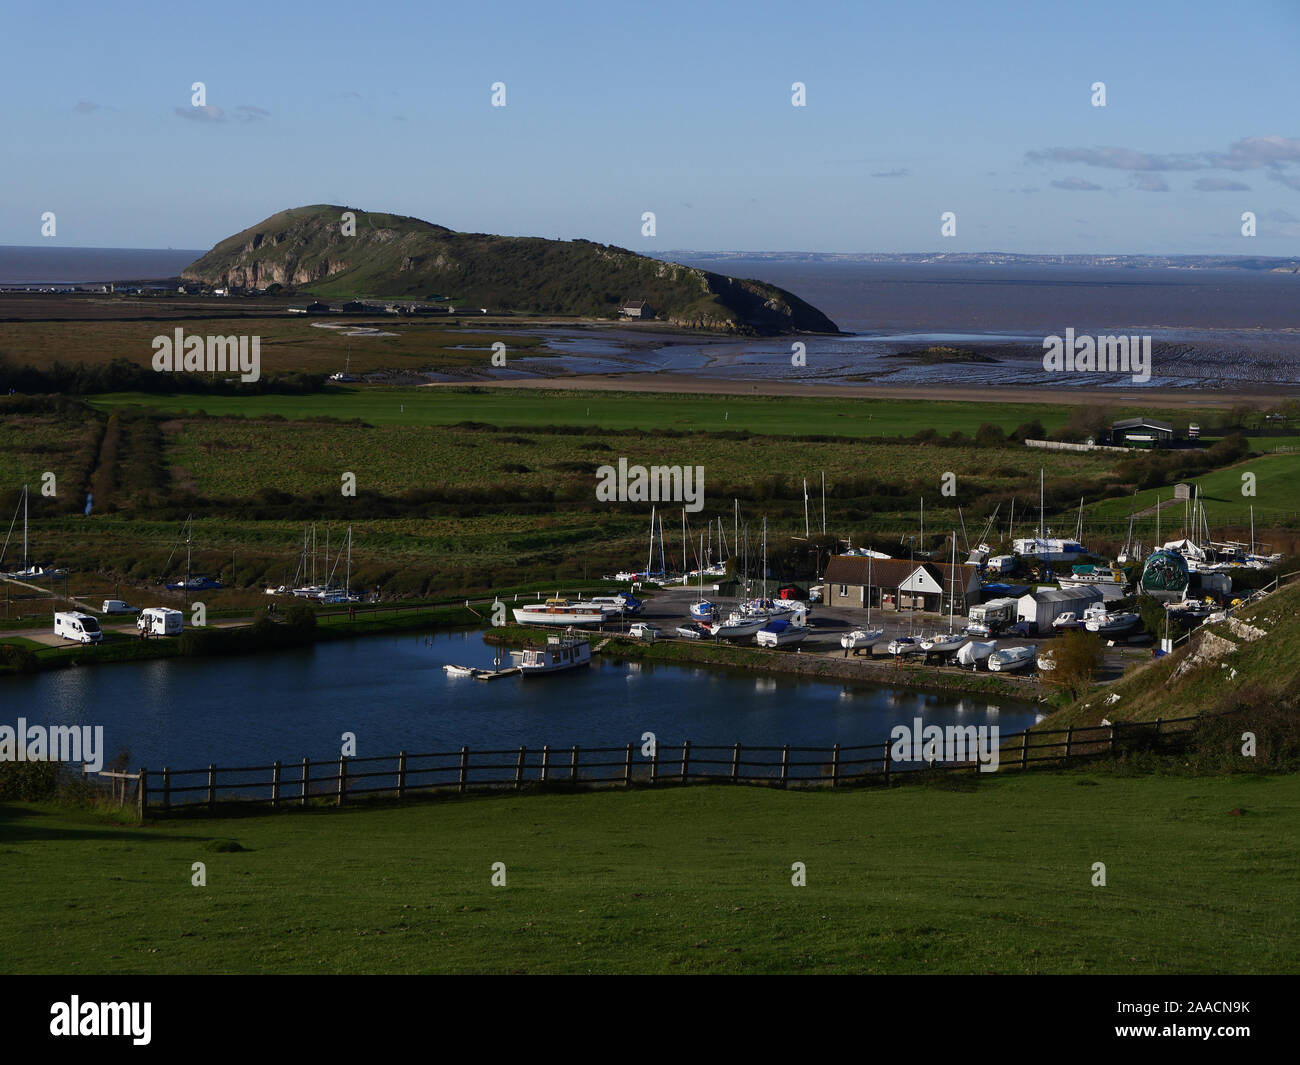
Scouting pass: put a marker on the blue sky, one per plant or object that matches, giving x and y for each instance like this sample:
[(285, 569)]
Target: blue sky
[(683, 109)]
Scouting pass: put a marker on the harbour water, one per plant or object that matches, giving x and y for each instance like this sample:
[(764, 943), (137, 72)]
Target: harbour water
[(393, 694)]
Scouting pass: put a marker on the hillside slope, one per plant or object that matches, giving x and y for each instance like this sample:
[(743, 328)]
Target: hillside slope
[(1247, 660), (392, 256)]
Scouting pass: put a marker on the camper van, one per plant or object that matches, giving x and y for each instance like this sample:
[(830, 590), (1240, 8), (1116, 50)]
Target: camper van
[(160, 621), (74, 625), (988, 619), (116, 606)]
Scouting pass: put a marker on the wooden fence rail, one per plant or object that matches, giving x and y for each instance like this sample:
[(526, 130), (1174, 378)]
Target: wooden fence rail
[(462, 771)]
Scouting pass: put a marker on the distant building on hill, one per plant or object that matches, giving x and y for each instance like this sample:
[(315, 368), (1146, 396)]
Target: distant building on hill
[(636, 309), (1142, 432)]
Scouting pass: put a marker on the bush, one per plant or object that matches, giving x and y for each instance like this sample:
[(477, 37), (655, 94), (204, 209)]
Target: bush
[(29, 781)]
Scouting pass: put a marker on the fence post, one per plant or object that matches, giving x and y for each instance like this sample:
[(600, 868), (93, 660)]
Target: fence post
[(573, 765), (462, 777), (275, 785), (886, 761), (654, 764), (686, 759), (835, 766), (785, 764), (1069, 735), (1112, 739), (1024, 749), (546, 761), (519, 769), (305, 772), (212, 784), (167, 788), (142, 798), (627, 766), (735, 764), (343, 775), (401, 774), (1158, 733)]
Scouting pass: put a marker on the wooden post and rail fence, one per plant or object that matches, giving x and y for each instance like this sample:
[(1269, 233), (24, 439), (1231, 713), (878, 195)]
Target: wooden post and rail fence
[(463, 771)]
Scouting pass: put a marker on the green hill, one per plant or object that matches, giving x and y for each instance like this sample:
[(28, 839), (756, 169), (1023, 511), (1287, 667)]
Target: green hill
[(391, 256), (1246, 662)]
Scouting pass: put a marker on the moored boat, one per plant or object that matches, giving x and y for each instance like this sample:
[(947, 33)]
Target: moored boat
[(460, 671), (560, 653), (559, 612)]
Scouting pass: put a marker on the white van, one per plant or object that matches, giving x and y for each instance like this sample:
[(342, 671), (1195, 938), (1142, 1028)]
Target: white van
[(117, 606), (74, 625), (160, 621)]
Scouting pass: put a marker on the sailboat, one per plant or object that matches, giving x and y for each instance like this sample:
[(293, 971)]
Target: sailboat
[(701, 609), (29, 570), (867, 637), (1130, 552), (947, 642), (1044, 546), (910, 644), (190, 583)]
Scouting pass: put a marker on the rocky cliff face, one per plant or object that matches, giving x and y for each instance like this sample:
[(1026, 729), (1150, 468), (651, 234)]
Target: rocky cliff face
[(390, 256)]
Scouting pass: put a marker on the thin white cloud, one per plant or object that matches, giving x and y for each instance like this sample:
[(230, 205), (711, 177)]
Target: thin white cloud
[(1218, 184), (1075, 184), (207, 113)]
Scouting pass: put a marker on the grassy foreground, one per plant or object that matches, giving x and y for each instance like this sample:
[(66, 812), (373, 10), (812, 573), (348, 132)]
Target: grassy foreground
[(918, 879)]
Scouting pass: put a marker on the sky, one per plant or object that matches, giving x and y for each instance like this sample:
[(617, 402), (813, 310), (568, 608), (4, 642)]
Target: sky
[(685, 110)]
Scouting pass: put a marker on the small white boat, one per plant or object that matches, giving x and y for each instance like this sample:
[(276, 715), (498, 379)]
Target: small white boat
[(702, 611), (1068, 620), (1109, 580), (461, 671), (781, 631), (1098, 619), (1011, 658), (1193, 608), (1047, 660), (559, 612), (851, 641), (943, 643), (737, 626), (560, 653), (975, 652), (906, 645)]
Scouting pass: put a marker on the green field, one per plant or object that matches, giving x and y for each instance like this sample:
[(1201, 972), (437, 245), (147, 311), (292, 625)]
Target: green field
[(1276, 498), (917, 879), (782, 415)]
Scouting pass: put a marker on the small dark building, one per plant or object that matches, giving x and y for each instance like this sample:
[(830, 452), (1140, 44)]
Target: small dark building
[(638, 309), (1141, 432)]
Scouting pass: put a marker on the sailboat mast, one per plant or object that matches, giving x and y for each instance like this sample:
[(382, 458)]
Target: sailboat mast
[(952, 570), (26, 564), (869, 558), (347, 581), (764, 557), (823, 502), (663, 567), (650, 557), (1040, 503)]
